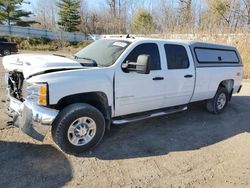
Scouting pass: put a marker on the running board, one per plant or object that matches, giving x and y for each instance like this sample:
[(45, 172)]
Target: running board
[(148, 115)]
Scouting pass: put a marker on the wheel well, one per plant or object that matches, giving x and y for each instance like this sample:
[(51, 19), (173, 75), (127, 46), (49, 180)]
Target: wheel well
[(97, 99), (228, 84)]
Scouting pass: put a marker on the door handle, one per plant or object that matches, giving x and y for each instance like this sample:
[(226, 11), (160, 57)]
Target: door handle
[(188, 76), (158, 78)]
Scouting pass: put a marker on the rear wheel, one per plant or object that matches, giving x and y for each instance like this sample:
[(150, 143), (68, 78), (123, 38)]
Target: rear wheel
[(6, 52), (219, 102), (78, 128)]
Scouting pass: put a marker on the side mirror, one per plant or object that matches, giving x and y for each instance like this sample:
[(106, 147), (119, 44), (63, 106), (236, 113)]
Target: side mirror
[(142, 66)]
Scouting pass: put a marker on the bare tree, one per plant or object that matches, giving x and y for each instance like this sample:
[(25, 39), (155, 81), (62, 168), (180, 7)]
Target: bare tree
[(112, 4), (117, 14), (85, 16), (46, 14), (246, 11), (169, 17), (165, 16), (185, 12)]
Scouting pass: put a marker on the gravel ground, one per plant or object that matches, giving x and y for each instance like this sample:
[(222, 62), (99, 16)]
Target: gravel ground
[(189, 149)]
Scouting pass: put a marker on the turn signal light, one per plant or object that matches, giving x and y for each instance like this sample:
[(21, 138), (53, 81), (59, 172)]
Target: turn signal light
[(43, 90), (42, 100)]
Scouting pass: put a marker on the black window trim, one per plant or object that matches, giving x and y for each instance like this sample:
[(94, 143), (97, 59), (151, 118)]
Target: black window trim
[(167, 56), (217, 62)]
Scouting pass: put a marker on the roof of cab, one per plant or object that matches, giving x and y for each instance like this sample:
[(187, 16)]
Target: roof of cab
[(191, 43)]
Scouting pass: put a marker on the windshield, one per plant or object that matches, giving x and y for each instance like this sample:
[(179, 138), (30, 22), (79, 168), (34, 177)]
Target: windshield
[(102, 52)]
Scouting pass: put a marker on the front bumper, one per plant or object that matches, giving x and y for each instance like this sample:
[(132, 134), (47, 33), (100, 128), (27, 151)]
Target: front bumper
[(33, 120)]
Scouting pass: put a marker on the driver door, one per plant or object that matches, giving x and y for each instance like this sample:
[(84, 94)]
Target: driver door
[(136, 92)]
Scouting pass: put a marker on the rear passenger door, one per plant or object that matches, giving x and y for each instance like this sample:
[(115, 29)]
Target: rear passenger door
[(180, 74)]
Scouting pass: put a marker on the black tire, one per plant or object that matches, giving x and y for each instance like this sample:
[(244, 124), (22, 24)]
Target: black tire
[(213, 105), (6, 52), (65, 119)]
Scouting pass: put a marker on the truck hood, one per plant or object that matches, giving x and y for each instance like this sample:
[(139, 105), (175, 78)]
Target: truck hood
[(31, 64)]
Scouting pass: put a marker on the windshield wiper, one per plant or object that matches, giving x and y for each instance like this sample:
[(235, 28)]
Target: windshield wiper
[(91, 64)]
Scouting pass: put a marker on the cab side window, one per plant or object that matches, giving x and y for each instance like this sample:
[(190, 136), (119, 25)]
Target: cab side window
[(177, 57), (149, 49)]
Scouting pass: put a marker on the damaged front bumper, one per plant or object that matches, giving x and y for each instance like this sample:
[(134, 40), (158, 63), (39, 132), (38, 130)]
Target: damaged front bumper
[(33, 120)]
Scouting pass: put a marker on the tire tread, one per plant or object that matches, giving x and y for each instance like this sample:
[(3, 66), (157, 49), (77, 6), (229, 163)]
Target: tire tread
[(58, 126), (211, 104)]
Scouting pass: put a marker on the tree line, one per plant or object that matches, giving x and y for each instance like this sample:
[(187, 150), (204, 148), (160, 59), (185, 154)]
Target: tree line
[(129, 16)]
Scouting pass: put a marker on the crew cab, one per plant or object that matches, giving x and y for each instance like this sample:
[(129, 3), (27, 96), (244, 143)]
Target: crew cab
[(6, 48), (116, 81)]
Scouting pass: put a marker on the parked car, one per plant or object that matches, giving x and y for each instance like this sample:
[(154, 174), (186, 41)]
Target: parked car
[(116, 81), (7, 48)]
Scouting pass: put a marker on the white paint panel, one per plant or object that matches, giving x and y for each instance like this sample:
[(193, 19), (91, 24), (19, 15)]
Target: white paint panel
[(138, 92), (209, 78), (178, 88), (65, 83)]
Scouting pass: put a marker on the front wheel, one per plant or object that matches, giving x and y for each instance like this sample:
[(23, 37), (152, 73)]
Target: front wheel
[(217, 104), (78, 128)]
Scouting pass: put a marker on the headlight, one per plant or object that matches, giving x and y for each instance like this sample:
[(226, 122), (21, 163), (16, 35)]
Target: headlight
[(36, 93)]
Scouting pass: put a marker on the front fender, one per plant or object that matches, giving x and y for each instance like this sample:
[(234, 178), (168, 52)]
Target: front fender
[(66, 83)]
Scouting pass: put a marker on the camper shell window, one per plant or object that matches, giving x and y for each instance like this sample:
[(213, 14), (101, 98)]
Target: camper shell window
[(211, 55)]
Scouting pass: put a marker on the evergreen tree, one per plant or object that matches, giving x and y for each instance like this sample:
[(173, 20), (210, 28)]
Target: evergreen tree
[(12, 14), (142, 22), (69, 15)]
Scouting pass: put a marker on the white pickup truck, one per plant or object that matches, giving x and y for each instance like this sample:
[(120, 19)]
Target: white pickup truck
[(116, 81)]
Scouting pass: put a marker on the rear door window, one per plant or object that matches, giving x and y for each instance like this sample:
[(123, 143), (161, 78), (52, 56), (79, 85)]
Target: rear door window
[(206, 55), (177, 57)]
